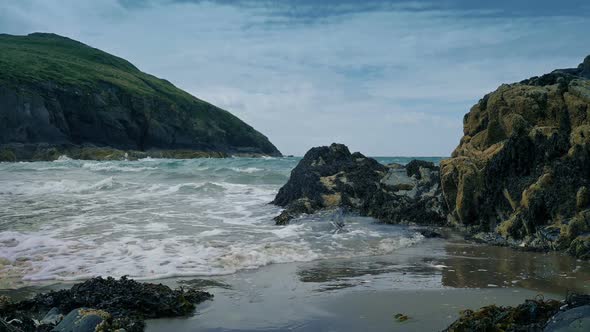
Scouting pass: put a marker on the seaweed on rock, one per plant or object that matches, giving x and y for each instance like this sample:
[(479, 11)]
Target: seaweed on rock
[(127, 302)]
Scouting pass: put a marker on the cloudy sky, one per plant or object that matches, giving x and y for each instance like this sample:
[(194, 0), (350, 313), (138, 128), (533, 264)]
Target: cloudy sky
[(384, 77)]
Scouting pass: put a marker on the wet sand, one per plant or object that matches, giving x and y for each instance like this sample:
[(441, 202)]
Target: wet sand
[(430, 282)]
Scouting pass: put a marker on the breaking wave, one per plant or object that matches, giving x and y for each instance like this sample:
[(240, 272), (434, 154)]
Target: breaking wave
[(156, 218)]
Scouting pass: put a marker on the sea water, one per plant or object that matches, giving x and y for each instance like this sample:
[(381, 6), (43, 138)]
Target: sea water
[(157, 218)]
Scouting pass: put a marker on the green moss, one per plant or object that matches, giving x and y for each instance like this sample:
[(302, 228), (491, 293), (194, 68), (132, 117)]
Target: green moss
[(579, 224), (7, 155), (5, 301), (509, 227), (580, 247), (100, 154), (40, 57), (49, 154), (494, 133)]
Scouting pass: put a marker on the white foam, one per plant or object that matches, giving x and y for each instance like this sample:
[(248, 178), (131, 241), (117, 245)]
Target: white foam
[(107, 167), (55, 187), (62, 158), (37, 256), (248, 170), (389, 245), (175, 221), (157, 227), (213, 232), (292, 230)]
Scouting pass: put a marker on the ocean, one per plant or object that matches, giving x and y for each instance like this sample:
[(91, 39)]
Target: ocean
[(157, 218)]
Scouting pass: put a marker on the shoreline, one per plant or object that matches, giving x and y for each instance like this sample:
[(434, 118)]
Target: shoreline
[(48, 152), (430, 282)]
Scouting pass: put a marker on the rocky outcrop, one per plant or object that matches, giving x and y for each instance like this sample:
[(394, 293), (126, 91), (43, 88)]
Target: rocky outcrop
[(59, 94), (332, 177), (572, 314), (522, 169), (99, 304)]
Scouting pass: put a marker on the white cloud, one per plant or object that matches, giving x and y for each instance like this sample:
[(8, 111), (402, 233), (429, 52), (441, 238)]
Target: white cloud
[(394, 81)]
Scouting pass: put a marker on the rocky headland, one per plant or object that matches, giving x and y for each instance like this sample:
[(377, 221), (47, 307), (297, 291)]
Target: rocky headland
[(61, 97), (519, 177)]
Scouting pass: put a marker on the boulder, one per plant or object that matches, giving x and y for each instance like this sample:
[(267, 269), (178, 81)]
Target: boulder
[(522, 168), (532, 315), (571, 314), (332, 177), (84, 320), (576, 319)]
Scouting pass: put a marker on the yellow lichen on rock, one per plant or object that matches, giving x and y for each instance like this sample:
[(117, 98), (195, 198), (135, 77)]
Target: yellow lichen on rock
[(332, 200), (523, 165), (95, 312), (528, 194)]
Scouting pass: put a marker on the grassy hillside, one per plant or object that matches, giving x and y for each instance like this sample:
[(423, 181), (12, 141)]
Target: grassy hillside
[(33, 62), (41, 57)]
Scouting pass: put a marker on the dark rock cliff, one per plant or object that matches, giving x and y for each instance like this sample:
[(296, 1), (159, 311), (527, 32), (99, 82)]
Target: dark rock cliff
[(522, 168), (59, 93)]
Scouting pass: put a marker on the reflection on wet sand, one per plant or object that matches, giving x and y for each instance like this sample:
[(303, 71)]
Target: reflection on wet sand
[(473, 266), (454, 264)]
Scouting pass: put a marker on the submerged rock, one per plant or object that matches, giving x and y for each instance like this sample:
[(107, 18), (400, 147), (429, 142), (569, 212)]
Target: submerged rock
[(430, 233), (522, 168), (122, 303), (332, 177)]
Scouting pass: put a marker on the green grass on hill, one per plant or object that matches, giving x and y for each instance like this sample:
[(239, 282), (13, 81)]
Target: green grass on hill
[(42, 57), (35, 61)]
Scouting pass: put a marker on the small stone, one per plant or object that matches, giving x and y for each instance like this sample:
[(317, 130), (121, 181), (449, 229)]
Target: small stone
[(401, 317)]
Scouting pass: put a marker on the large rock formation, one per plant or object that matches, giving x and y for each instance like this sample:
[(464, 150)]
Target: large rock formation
[(58, 95), (522, 169), (332, 177)]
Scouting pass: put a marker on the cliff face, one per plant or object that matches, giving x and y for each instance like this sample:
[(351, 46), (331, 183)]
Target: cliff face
[(522, 168), (56, 92)]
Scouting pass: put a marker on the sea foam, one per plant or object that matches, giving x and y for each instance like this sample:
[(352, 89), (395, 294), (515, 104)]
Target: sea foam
[(159, 218)]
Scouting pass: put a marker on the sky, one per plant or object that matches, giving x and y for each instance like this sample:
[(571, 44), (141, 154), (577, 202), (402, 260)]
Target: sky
[(387, 78)]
